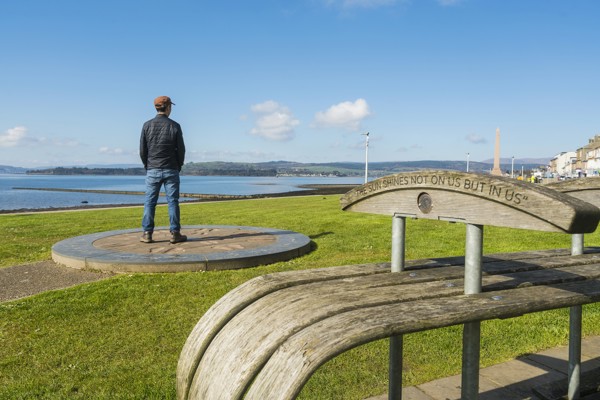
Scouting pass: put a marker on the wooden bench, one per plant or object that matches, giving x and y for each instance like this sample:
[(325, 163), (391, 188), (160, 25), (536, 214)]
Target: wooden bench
[(264, 339), (588, 190), (585, 188)]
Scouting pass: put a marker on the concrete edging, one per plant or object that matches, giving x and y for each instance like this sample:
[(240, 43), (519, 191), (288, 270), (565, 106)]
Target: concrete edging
[(81, 253)]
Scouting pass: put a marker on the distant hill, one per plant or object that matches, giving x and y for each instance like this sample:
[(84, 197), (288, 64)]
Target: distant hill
[(7, 169), (87, 171), (292, 168), (123, 166), (519, 161)]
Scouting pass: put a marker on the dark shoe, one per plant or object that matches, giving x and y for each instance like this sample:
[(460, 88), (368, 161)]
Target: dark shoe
[(146, 237), (177, 237)]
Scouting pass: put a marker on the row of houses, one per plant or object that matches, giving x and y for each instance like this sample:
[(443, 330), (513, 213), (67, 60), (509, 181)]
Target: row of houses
[(583, 162)]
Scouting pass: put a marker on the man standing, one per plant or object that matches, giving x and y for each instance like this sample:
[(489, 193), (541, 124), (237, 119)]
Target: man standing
[(162, 151)]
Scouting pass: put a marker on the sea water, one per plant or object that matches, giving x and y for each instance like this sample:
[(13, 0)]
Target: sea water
[(16, 199)]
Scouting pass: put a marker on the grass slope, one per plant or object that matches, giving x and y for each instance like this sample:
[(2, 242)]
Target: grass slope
[(120, 338)]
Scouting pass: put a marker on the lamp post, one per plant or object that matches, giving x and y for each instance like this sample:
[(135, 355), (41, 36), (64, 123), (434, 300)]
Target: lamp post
[(467, 162), (366, 155), (512, 167), (522, 173)]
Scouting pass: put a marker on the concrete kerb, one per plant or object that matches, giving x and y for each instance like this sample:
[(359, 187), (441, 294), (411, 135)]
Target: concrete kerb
[(209, 247)]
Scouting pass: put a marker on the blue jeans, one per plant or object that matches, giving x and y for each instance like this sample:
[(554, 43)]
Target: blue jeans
[(155, 179)]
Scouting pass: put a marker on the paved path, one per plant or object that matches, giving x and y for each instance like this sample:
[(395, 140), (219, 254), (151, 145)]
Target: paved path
[(29, 279), (534, 377)]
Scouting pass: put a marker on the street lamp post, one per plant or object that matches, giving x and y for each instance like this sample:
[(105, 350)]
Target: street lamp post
[(512, 167), (522, 173), (366, 155), (467, 162)]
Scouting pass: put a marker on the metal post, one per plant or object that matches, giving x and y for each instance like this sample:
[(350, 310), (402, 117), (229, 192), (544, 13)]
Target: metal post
[(398, 240), (575, 321), (395, 373), (396, 342), (366, 157), (577, 244), (467, 162), (473, 256), (512, 167), (522, 173), (472, 330)]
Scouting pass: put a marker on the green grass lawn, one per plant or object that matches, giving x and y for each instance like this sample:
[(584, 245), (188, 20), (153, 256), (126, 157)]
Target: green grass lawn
[(120, 338)]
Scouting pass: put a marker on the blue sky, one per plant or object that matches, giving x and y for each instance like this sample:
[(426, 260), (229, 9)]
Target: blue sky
[(299, 80)]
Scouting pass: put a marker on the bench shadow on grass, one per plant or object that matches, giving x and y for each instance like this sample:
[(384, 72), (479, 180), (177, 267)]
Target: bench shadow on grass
[(313, 245), (320, 235)]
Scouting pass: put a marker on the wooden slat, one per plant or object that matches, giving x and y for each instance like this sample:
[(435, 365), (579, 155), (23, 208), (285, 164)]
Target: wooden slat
[(290, 367), (475, 199), (247, 341), (243, 296), (237, 299), (586, 189), (520, 265)]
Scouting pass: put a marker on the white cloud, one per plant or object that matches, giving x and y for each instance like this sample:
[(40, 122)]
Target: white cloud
[(267, 107), (13, 137), (18, 136), (274, 121), (347, 115), (117, 151), (475, 139)]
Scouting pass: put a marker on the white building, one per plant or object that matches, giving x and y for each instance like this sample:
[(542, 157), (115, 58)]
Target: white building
[(564, 164)]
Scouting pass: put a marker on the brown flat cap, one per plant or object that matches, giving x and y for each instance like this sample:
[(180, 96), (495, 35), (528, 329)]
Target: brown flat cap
[(162, 101)]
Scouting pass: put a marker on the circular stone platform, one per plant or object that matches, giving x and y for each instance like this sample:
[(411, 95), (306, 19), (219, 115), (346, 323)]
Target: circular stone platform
[(209, 247)]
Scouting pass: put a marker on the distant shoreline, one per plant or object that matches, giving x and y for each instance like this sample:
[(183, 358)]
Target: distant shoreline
[(309, 190)]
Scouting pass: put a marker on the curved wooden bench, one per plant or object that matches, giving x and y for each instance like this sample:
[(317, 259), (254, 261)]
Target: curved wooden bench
[(264, 339), (586, 189), (295, 360), (473, 198)]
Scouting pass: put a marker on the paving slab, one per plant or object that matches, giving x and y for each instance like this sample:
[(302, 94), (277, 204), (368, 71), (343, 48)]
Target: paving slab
[(25, 280), (539, 376), (520, 376), (590, 347), (209, 247), (557, 358), (589, 386), (449, 388)]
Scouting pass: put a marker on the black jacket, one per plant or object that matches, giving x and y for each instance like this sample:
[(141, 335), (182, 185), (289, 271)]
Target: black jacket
[(161, 144)]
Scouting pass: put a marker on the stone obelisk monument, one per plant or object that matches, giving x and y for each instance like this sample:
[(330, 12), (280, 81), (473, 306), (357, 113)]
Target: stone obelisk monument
[(496, 170)]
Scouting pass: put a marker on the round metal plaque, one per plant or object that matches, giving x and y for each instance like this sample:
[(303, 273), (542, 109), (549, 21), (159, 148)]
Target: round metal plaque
[(425, 203)]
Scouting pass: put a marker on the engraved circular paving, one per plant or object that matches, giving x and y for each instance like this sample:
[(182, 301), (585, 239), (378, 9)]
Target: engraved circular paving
[(209, 247)]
